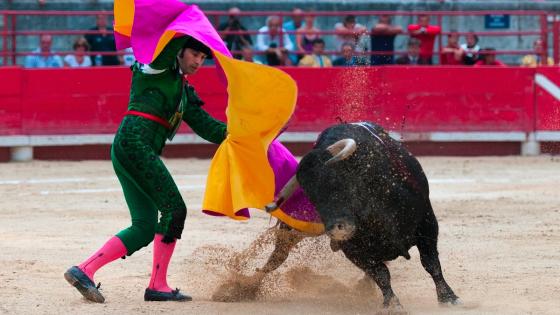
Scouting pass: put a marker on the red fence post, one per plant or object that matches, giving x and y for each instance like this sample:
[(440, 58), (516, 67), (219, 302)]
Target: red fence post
[(544, 38), (14, 45), (440, 37), (556, 40), (281, 39), (5, 39)]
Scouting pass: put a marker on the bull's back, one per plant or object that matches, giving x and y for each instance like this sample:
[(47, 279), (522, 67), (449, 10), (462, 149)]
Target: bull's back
[(374, 142)]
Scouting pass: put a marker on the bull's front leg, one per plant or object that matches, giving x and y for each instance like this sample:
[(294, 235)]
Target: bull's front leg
[(286, 239), (239, 287)]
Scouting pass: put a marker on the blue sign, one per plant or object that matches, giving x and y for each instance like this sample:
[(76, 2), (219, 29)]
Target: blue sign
[(496, 21)]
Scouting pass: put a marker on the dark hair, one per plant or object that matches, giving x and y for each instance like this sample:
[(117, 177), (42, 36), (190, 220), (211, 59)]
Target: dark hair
[(348, 44), (194, 44), (474, 35), (413, 42), (81, 41), (318, 41), (350, 19)]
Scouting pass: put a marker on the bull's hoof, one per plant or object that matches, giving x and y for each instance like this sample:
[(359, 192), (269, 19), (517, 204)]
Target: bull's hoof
[(238, 288), (449, 299), (392, 307), (452, 302), (392, 310)]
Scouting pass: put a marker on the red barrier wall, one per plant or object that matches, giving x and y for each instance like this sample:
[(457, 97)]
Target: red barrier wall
[(547, 90), (424, 98), (11, 90), (409, 99)]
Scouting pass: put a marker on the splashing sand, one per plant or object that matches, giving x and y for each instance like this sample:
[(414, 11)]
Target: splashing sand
[(300, 276)]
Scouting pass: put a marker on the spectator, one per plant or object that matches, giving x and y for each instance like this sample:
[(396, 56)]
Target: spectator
[(426, 33), (235, 42), (412, 56), (275, 48), (128, 57), (306, 34), (470, 49), (294, 24), (383, 40), (349, 58), (536, 59), (488, 58), (350, 32), (102, 42), (247, 55), (79, 58), (452, 54), (43, 57), (317, 59)]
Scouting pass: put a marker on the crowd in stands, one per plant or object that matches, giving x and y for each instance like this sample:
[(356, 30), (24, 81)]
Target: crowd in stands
[(299, 42)]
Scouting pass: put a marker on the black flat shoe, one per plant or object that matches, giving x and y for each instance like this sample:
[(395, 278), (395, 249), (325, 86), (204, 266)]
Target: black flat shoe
[(175, 295), (83, 283)]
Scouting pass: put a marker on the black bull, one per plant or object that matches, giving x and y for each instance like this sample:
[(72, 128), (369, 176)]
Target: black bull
[(373, 198)]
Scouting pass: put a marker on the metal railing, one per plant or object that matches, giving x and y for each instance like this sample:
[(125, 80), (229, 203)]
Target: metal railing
[(10, 32)]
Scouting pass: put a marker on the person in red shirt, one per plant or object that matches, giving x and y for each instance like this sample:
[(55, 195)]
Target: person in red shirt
[(426, 33), (488, 58), (452, 54)]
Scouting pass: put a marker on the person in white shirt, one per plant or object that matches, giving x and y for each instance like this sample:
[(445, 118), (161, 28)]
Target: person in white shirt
[(348, 31), (471, 49), (79, 58), (43, 57), (128, 57), (274, 42)]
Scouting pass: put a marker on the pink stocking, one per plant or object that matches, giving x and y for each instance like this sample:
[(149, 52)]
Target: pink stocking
[(162, 256), (111, 250)]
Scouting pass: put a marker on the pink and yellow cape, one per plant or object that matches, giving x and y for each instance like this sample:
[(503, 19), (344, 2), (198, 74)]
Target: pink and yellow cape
[(250, 166)]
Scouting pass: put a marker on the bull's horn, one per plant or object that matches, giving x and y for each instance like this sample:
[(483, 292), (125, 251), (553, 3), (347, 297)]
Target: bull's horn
[(287, 191), (341, 150)]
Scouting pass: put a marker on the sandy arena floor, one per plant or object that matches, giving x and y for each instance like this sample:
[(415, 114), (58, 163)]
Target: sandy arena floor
[(499, 245)]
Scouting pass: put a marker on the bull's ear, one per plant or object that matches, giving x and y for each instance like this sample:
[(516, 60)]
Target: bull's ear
[(341, 150)]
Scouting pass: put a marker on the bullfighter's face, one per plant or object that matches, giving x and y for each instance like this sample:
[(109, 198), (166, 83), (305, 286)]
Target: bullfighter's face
[(191, 60)]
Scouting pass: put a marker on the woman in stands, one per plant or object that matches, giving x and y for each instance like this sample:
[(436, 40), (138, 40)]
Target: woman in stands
[(79, 58), (306, 34)]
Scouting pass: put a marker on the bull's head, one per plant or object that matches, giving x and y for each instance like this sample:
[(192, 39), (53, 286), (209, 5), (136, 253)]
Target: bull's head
[(327, 187)]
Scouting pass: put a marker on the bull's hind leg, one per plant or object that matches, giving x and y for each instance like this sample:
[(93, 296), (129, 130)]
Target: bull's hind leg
[(427, 246)]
